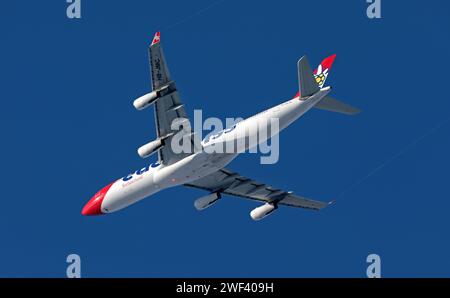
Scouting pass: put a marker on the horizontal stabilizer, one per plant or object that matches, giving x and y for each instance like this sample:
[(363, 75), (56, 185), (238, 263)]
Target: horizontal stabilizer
[(330, 104)]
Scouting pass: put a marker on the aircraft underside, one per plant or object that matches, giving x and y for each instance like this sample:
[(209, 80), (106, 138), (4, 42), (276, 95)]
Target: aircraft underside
[(201, 164)]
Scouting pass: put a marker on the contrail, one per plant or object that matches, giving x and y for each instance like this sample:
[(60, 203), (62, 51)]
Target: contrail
[(394, 157), (193, 15)]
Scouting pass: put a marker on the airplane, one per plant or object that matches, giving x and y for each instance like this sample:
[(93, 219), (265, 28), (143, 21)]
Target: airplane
[(206, 170)]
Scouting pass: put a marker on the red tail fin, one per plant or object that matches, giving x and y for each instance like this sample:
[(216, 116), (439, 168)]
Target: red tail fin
[(322, 71)]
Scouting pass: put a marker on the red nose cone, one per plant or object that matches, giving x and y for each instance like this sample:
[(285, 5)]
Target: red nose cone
[(94, 206)]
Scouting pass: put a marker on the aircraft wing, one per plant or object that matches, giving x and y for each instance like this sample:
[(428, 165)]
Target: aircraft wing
[(227, 182), (168, 107)]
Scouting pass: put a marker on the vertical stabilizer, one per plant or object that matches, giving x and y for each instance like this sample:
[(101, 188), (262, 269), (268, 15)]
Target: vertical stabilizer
[(307, 82)]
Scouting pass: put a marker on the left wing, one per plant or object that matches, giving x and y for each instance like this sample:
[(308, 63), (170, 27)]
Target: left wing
[(168, 107), (228, 182)]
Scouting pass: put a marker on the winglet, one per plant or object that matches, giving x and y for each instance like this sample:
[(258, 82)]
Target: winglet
[(156, 38)]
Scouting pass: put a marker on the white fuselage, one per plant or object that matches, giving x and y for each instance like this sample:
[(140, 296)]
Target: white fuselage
[(153, 178)]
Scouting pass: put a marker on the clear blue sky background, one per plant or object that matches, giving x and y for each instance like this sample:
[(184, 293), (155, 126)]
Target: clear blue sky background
[(68, 128)]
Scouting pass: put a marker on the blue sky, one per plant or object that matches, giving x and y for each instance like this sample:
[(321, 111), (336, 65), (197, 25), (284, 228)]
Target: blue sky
[(69, 128)]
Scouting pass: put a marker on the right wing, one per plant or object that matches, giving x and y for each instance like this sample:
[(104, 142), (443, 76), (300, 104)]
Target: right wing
[(168, 107), (228, 182)]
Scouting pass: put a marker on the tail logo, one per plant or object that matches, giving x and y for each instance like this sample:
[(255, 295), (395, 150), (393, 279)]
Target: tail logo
[(321, 73)]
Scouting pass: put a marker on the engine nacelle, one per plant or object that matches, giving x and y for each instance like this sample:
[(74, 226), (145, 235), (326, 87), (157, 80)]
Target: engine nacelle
[(262, 211), (206, 201), (145, 100), (150, 148)]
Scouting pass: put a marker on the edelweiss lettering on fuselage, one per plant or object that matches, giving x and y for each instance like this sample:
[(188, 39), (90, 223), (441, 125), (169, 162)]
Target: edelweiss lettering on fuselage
[(140, 172)]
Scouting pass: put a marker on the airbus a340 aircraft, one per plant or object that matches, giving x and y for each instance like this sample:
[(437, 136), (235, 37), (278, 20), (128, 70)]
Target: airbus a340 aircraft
[(200, 168)]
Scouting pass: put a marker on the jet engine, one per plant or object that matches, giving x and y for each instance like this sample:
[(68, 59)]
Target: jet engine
[(206, 201), (145, 100), (150, 148), (262, 211)]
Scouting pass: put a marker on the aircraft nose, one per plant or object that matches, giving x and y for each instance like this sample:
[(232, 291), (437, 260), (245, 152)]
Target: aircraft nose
[(94, 206)]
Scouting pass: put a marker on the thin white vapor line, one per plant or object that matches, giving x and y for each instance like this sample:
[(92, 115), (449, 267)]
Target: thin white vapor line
[(394, 157), (193, 15)]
